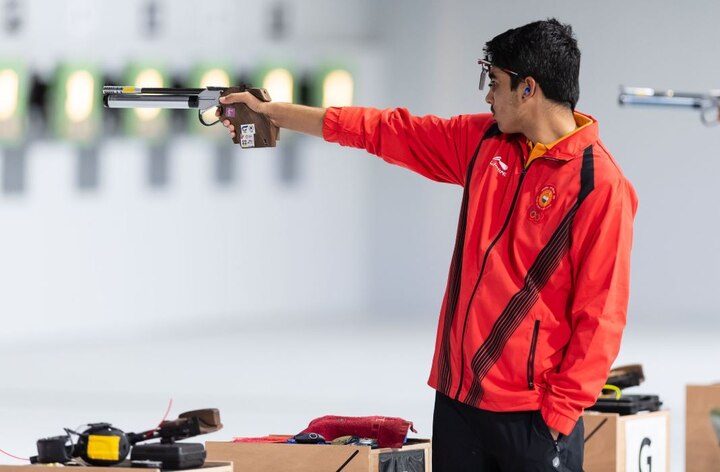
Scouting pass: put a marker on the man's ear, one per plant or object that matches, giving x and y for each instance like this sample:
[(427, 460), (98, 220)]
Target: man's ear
[(530, 87)]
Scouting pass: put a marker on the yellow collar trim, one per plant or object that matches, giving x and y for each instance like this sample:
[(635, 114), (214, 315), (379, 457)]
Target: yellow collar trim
[(539, 149)]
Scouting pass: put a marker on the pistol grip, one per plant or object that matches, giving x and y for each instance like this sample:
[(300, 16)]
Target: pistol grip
[(252, 130)]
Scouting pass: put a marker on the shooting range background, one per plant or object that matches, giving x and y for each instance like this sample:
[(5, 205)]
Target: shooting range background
[(281, 301)]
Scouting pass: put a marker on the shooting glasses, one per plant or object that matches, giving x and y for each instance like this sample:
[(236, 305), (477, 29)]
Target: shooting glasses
[(485, 70)]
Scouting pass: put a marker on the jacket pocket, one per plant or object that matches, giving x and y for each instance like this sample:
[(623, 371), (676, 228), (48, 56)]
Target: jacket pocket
[(531, 356)]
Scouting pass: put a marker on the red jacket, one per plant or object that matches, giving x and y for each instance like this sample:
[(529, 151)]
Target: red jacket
[(538, 288)]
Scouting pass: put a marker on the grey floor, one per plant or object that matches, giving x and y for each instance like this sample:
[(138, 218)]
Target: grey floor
[(275, 376)]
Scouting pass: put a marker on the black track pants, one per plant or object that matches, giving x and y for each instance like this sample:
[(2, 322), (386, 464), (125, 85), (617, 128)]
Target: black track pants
[(467, 439)]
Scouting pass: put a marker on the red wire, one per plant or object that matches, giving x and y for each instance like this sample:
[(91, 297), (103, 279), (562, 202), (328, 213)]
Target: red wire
[(166, 414), (15, 457)]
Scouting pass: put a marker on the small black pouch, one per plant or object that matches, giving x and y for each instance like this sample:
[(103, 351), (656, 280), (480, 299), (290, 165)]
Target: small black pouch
[(176, 456), (402, 461)]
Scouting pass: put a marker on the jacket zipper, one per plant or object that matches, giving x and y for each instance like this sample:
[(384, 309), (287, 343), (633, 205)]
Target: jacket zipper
[(531, 357), (482, 270)]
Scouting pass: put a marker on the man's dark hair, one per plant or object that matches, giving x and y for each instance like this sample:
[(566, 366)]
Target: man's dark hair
[(545, 50)]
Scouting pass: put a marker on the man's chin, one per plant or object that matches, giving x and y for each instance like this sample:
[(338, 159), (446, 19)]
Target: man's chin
[(503, 126)]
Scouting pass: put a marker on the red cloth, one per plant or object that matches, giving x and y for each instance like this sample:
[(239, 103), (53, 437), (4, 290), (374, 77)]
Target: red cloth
[(389, 432)]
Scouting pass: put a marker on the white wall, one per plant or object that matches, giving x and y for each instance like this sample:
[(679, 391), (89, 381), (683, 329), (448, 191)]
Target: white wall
[(354, 239), (129, 254), (75, 261)]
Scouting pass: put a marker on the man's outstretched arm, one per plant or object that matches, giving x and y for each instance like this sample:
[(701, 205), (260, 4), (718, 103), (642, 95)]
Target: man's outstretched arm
[(304, 119), (436, 148)]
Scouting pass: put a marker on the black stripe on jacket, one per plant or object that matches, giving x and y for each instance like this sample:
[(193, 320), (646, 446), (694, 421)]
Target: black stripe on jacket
[(445, 375)]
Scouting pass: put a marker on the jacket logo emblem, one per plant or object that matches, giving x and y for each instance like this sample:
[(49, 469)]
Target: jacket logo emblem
[(545, 197), (499, 165), (543, 201)]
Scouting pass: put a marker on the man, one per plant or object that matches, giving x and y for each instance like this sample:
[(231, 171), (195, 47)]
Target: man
[(538, 287)]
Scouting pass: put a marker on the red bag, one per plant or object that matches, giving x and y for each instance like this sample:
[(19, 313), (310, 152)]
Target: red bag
[(389, 432)]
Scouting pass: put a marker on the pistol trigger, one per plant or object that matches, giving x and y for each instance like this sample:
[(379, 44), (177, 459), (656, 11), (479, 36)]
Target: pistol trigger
[(205, 123)]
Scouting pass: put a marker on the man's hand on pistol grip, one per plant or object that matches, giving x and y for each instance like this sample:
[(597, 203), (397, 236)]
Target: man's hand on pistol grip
[(256, 105)]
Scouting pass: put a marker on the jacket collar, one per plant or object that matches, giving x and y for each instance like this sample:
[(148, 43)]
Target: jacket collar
[(573, 145)]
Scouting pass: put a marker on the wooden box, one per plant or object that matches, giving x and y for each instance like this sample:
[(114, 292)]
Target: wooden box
[(274, 457), (630, 443)]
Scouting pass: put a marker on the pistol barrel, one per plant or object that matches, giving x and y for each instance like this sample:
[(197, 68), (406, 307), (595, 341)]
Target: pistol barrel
[(707, 103), (649, 96), (121, 96), (132, 100)]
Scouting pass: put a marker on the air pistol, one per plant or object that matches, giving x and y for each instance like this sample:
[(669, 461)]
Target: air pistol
[(252, 130)]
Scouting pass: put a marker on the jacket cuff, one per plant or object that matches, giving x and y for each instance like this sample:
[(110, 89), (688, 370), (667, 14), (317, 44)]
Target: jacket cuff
[(558, 421), (331, 125)]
